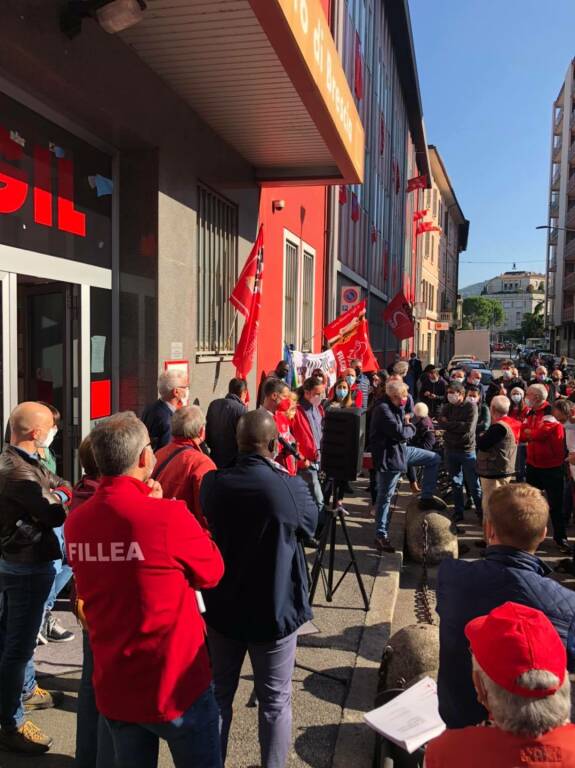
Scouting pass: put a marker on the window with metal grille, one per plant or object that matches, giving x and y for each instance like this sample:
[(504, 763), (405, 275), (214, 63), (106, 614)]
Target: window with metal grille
[(217, 272), (291, 293), (307, 302)]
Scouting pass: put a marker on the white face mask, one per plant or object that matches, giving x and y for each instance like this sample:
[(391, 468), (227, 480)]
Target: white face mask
[(48, 440), (516, 398), (507, 374), (453, 398)]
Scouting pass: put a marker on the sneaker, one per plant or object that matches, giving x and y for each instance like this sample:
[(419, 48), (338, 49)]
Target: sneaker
[(563, 547), (383, 544), (55, 632), (28, 739), (42, 699), (432, 503), (41, 638)]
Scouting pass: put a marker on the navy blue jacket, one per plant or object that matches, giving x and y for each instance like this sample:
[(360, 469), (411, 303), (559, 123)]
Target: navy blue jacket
[(221, 424), (258, 514), (466, 590), (388, 436), (158, 419)]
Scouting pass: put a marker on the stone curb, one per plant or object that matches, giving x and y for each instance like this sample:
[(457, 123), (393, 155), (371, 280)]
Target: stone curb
[(356, 742)]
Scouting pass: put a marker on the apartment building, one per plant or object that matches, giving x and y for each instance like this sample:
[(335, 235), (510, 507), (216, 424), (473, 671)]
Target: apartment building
[(518, 293), (438, 260), (560, 295)]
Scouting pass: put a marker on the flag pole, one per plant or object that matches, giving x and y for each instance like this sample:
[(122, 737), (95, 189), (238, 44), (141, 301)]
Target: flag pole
[(234, 321)]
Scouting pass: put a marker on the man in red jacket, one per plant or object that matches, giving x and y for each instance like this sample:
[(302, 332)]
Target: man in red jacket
[(545, 438), (138, 559), (181, 465)]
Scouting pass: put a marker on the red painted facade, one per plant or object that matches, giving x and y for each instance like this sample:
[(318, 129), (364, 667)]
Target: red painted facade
[(304, 218)]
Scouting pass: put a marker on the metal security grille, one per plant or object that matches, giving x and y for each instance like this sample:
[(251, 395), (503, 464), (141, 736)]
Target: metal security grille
[(307, 302), (217, 272), (290, 295)]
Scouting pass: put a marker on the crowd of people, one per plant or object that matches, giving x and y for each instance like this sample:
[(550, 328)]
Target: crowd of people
[(186, 536)]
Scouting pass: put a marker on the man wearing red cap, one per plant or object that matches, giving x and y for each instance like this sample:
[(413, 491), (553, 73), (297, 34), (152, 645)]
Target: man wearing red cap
[(520, 675)]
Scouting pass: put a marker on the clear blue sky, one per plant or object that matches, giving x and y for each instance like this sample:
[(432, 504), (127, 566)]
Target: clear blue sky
[(489, 72)]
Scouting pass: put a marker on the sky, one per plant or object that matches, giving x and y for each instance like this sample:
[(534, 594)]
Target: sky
[(489, 72)]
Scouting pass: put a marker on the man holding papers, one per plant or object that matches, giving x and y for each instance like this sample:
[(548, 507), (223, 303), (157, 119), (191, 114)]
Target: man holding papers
[(520, 675)]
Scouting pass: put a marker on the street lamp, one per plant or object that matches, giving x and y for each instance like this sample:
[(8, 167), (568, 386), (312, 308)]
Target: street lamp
[(548, 226)]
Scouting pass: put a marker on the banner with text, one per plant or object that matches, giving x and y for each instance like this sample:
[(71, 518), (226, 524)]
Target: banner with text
[(305, 363)]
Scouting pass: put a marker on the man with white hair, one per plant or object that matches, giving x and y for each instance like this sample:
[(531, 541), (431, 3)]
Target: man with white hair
[(174, 391), (181, 465), (520, 675), (545, 438), (497, 448)]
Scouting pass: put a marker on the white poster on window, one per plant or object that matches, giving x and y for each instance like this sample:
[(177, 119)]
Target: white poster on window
[(98, 354), (306, 362)]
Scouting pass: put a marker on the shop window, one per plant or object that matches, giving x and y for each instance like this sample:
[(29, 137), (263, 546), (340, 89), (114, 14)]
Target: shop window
[(299, 282), (217, 272)]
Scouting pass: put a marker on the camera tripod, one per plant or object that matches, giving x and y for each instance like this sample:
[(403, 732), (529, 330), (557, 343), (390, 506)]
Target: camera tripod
[(327, 540)]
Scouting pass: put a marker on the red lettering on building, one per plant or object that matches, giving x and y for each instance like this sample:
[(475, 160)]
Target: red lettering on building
[(14, 187)]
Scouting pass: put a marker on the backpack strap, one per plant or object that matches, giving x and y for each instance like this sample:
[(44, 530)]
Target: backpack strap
[(160, 468)]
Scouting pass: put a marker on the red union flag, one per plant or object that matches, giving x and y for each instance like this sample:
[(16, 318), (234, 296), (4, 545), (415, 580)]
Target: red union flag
[(342, 194), (244, 355), (348, 336), (243, 293), (426, 226), (419, 215), (399, 317), (417, 182)]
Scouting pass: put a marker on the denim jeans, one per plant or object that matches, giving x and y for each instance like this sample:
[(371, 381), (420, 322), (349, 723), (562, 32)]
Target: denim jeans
[(23, 592), (93, 738), (311, 478), (193, 739), (387, 483), (273, 665), (462, 465)]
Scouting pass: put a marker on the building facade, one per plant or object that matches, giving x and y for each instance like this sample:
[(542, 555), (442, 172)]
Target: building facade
[(560, 296), (518, 293), (135, 169), (438, 257), (372, 243)]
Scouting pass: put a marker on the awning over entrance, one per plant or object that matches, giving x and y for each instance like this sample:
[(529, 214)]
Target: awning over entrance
[(266, 76)]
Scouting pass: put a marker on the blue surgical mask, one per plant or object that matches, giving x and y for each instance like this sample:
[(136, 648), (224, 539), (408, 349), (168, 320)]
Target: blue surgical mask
[(341, 393)]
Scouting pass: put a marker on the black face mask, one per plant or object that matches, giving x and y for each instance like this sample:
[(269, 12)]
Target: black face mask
[(358, 371)]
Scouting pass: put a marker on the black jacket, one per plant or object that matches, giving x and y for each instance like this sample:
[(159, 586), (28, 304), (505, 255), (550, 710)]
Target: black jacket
[(466, 590), (459, 425), (258, 514), (388, 436), (221, 423), (26, 495), (158, 419), (495, 387)]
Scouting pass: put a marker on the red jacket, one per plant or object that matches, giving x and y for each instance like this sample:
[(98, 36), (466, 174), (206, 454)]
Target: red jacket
[(545, 438), (480, 746), (137, 561), (514, 426), (284, 458), (183, 475), (301, 430)]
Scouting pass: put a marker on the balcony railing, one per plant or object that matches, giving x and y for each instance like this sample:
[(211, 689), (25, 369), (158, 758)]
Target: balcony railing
[(557, 144), (552, 264), (568, 315), (446, 317), (570, 251), (569, 282), (554, 209), (555, 180), (570, 218), (553, 235), (558, 117)]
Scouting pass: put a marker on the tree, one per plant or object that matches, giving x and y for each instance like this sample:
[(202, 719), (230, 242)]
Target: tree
[(481, 312), (533, 323)]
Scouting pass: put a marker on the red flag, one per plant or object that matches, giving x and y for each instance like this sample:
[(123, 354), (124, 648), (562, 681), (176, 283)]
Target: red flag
[(358, 75), (355, 345), (354, 207), (418, 215), (426, 226), (244, 355), (417, 182), (399, 316), (345, 323), (243, 293), (342, 194)]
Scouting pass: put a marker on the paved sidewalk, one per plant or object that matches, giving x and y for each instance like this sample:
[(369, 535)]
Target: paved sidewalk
[(327, 707)]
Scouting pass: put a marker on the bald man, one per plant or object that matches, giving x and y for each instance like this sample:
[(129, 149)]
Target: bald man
[(258, 514), (31, 505)]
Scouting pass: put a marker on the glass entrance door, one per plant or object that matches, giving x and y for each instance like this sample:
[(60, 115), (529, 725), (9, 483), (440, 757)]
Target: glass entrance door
[(48, 323)]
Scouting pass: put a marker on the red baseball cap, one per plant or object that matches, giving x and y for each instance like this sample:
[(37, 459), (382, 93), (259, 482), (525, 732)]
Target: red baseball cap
[(514, 639)]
